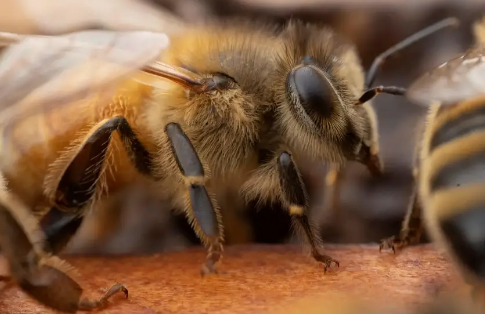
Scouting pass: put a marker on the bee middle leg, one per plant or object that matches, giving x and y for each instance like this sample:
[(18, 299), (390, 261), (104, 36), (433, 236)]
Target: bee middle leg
[(295, 196), (204, 216)]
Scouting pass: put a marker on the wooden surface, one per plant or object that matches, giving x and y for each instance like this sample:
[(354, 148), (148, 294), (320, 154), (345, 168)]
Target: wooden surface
[(255, 279)]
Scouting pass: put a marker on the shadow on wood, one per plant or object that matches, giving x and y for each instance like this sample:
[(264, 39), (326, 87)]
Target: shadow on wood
[(255, 279)]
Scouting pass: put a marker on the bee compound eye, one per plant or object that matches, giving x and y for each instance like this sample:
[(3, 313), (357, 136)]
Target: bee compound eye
[(312, 89)]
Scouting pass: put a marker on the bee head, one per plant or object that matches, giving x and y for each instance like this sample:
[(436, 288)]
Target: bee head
[(320, 79)]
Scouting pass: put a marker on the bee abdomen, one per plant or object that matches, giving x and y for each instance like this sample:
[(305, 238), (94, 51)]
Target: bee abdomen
[(457, 147), (454, 176), (465, 232), (459, 126), (464, 171)]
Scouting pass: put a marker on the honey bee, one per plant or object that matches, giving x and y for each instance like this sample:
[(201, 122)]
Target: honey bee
[(227, 107), (449, 187)]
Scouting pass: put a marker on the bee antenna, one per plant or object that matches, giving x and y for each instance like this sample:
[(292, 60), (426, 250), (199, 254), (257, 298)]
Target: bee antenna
[(380, 59)]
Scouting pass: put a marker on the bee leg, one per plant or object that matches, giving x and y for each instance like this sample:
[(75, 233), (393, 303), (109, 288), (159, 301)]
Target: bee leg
[(42, 276), (294, 195), (77, 185), (412, 227), (87, 304), (206, 218), (333, 181), (59, 227)]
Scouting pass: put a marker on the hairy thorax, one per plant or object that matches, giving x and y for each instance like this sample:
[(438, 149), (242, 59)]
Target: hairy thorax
[(224, 125)]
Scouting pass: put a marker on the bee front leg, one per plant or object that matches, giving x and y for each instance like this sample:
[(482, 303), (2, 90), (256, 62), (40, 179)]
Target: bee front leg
[(205, 218), (294, 196), (412, 226)]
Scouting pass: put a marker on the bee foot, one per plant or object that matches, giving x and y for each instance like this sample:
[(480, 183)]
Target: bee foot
[(208, 269), (88, 305), (325, 260), (393, 243), (215, 254), (115, 289)]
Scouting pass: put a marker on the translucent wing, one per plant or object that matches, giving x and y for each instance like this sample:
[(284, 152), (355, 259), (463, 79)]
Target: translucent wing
[(458, 79), (39, 73), (59, 16)]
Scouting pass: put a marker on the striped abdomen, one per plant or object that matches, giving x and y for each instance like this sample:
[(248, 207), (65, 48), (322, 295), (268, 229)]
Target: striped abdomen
[(454, 177)]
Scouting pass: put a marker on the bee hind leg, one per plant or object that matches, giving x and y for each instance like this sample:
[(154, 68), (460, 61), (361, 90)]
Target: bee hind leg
[(77, 188), (205, 218), (61, 227), (294, 195), (78, 182), (42, 276)]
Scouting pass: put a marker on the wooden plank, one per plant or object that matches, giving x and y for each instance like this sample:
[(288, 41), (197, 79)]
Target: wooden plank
[(256, 279)]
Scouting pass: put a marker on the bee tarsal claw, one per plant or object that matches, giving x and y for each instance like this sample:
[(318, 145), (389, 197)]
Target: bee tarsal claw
[(325, 260)]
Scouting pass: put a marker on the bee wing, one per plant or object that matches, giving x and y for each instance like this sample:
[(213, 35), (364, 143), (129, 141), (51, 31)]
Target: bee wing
[(460, 78), (39, 73), (57, 17)]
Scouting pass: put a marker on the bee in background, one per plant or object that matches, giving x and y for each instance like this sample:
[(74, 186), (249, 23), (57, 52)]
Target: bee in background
[(227, 107), (453, 84), (450, 179)]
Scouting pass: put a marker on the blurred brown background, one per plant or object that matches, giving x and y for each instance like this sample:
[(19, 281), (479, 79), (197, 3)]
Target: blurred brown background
[(371, 209)]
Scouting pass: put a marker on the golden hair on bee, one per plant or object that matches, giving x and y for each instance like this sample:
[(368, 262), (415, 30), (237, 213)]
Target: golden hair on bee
[(449, 191), (223, 124)]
